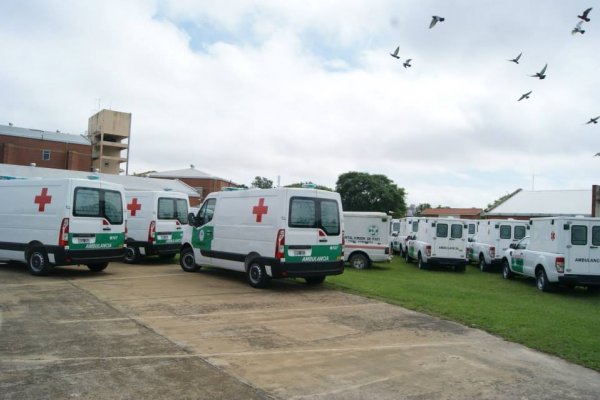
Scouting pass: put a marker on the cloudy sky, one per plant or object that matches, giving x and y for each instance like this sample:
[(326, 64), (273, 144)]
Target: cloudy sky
[(307, 90)]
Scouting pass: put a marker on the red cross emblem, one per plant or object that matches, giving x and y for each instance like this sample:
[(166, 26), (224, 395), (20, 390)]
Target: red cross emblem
[(260, 209), (42, 199), (552, 235), (134, 206)]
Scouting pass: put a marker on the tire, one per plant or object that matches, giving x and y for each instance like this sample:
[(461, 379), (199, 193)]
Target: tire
[(359, 261), (315, 280), (37, 262), (506, 272), (97, 267), (407, 257), (420, 263), (257, 276), (541, 281), (187, 261), (483, 267), (132, 255)]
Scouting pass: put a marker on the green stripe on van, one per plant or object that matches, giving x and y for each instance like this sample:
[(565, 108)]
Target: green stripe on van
[(98, 241), (317, 253)]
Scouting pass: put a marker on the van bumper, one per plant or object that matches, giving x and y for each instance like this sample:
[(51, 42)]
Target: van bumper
[(69, 257), (149, 249), (447, 261), (303, 270), (584, 280)]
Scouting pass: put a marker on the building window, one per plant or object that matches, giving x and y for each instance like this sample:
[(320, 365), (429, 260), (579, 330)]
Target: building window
[(46, 155)]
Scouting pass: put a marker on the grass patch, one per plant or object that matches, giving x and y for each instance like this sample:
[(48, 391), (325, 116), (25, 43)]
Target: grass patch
[(565, 323)]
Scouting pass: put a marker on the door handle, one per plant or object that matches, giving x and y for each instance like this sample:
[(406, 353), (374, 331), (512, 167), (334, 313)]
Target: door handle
[(106, 229), (593, 247), (322, 240)]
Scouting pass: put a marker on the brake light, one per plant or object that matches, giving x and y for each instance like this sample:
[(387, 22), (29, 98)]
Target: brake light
[(105, 222), (492, 252), (428, 250), (63, 236), (280, 245), (151, 231), (560, 264)]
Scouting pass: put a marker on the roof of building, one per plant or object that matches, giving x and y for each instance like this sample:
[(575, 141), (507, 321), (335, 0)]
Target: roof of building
[(129, 182), (451, 211), (43, 135), (545, 203), (191, 172)]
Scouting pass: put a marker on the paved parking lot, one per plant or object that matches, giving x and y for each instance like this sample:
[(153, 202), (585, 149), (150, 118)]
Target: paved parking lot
[(154, 331)]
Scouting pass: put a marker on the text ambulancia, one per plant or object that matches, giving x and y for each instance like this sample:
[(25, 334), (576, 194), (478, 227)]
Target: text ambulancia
[(267, 233)]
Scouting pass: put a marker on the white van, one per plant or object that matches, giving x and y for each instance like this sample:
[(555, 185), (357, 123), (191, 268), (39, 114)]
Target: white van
[(492, 240), (155, 222), (52, 222), (367, 238), (441, 241), (267, 233)]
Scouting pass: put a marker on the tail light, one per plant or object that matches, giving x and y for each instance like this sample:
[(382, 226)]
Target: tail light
[(343, 243), (126, 230), (428, 250), (63, 236), (280, 245), (387, 250), (560, 264), (492, 252), (105, 222), (151, 232)]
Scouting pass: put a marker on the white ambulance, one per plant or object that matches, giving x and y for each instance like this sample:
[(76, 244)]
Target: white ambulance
[(492, 240), (408, 226), (52, 222), (563, 250), (155, 222), (440, 241), (366, 238), (267, 233)]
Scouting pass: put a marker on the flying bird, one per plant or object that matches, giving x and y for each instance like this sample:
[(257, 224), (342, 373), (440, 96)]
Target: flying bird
[(525, 95), (395, 53), (593, 120), (407, 63), (434, 20), (516, 59), (541, 74), (578, 29), (585, 15)]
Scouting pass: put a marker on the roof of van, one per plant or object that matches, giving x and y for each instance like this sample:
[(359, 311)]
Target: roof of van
[(129, 182), (43, 135)]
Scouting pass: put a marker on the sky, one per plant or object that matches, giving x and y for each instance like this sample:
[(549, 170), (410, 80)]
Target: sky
[(299, 91)]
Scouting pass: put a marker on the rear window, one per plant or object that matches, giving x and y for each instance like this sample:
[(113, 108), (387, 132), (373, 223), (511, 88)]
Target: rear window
[(169, 208), (415, 226), (396, 227), (505, 232), (596, 236), (579, 235), (471, 229), (98, 203), (308, 212), (520, 232), (441, 230), (456, 231)]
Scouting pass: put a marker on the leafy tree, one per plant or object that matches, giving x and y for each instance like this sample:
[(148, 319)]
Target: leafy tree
[(421, 207), (262, 183), (361, 191), (301, 184)]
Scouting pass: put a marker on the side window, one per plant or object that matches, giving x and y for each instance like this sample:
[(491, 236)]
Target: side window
[(596, 236), (520, 232), (330, 217), (441, 230), (505, 232), (579, 235), (206, 213), (456, 231)]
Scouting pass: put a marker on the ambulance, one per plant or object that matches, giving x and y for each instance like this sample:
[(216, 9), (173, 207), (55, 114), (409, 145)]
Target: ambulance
[(558, 250), (155, 221), (408, 227), (52, 222), (493, 238), (367, 238), (267, 233), (439, 241)]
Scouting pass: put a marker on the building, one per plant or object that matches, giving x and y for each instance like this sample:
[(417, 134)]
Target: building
[(526, 204), (463, 213), (109, 133), (23, 146), (201, 181)]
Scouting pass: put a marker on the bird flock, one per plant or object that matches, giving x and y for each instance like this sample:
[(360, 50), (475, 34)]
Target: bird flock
[(584, 17)]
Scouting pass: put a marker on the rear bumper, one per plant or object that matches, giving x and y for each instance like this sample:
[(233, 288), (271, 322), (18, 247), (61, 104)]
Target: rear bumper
[(303, 270), (447, 261), (63, 256), (585, 280), (156, 249)]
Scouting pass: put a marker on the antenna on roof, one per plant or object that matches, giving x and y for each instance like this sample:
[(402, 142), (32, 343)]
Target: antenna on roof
[(192, 166)]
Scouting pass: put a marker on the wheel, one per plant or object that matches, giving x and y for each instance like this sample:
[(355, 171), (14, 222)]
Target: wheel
[(359, 261), (506, 272), (37, 262), (420, 263), (314, 280), (257, 276), (482, 265), (541, 280), (132, 255), (407, 257), (187, 260), (97, 267)]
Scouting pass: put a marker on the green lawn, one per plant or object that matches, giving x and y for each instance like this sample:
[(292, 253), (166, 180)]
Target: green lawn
[(565, 323)]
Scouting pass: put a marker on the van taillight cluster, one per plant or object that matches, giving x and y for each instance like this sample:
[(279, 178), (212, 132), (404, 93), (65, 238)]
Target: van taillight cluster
[(63, 236), (560, 264), (151, 231), (280, 245), (428, 250), (343, 243), (492, 252)]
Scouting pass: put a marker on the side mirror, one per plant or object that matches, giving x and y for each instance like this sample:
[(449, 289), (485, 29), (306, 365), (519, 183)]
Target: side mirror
[(191, 219), (512, 245), (470, 240)]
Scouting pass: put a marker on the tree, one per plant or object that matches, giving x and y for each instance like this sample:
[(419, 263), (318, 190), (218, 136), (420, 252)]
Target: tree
[(420, 208), (301, 184), (262, 183), (361, 191)]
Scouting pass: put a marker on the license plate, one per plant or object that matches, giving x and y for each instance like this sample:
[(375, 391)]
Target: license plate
[(83, 240), (164, 237)]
